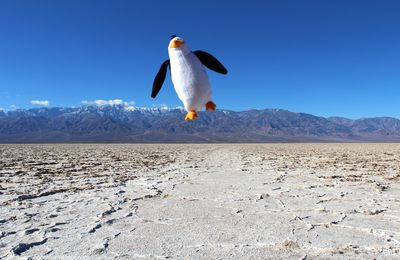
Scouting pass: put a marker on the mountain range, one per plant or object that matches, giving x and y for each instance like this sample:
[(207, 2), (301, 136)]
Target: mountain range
[(128, 124)]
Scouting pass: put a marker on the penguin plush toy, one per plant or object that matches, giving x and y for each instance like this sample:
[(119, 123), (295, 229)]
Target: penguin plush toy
[(189, 76)]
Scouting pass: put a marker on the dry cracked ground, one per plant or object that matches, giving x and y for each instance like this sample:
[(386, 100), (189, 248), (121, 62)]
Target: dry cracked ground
[(296, 201)]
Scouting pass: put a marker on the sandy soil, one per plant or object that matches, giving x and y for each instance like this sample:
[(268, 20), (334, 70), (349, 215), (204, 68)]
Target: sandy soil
[(296, 201)]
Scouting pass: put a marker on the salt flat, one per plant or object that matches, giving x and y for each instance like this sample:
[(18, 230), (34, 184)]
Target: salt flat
[(296, 201)]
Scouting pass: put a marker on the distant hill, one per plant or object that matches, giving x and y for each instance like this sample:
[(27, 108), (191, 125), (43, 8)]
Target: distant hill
[(119, 123)]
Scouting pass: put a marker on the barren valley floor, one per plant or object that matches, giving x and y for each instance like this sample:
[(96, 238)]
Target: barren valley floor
[(296, 201)]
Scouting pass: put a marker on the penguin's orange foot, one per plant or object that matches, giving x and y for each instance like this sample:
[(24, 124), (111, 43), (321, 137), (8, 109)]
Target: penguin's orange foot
[(191, 115), (211, 106)]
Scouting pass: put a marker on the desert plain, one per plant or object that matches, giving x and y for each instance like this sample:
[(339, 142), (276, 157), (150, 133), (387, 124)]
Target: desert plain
[(200, 201)]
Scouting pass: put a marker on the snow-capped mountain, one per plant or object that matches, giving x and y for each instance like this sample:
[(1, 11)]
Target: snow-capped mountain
[(122, 123)]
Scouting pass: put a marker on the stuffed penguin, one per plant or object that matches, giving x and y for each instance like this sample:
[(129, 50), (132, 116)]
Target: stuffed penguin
[(189, 76)]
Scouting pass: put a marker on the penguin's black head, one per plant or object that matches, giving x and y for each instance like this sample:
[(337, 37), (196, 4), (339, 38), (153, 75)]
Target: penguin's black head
[(173, 36)]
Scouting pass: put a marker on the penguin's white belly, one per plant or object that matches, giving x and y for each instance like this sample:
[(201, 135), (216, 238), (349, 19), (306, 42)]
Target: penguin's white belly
[(190, 81)]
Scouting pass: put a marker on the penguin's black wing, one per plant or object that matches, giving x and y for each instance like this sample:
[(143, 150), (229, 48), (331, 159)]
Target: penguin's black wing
[(210, 62), (159, 79)]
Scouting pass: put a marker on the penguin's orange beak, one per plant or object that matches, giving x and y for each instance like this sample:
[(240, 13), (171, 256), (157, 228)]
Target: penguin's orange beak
[(176, 43)]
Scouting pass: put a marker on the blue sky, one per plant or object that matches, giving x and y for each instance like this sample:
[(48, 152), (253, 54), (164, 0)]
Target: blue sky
[(321, 57)]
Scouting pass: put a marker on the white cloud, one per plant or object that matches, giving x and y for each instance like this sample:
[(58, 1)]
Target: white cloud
[(111, 102), (161, 106), (166, 107), (180, 107), (40, 102)]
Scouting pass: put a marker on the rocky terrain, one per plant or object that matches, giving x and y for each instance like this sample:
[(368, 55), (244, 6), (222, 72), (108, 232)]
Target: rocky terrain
[(295, 201), (127, 124)]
